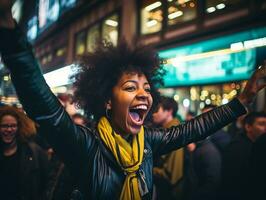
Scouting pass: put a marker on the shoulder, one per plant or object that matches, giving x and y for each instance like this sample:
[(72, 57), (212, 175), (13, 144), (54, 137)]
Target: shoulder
[(35, 148), (32, 151), (207, 147), (150, 132), (259, 146), (89, 132), (86, 135)]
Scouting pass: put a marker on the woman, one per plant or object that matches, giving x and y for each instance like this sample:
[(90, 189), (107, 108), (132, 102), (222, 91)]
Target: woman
[(24, 166), (116, 85)]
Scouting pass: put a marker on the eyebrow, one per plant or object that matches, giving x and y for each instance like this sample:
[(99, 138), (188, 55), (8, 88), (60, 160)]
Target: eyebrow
[(133, 81)]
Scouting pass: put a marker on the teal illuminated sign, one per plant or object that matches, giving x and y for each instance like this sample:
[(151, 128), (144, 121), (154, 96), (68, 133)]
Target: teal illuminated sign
[(228, 58)]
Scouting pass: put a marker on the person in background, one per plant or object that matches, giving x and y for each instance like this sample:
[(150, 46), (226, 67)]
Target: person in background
[(61, 184), (24, 168), (236, 128), (202, 174), (67, 102), (257, 168), (168, 170), (117, 85), (80, 119), (220, 138), (190, 115), (236, 163)]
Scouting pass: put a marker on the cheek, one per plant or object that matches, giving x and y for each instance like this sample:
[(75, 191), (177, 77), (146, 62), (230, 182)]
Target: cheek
[(260, 129), (121, 108), (119, 112), (150, 100)]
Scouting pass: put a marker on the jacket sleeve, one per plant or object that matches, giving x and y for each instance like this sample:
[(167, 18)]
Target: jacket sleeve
[(166, 140), (68, 140)]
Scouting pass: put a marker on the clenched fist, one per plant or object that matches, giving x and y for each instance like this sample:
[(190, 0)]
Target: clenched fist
[(254, 85)]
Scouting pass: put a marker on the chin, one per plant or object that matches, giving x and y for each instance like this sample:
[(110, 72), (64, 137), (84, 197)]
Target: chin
[(8, 140), (135, 130)]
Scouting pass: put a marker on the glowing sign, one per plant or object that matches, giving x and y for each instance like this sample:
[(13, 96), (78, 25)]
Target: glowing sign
[(67, 4), (48, 12), (228, 58), (32, 28), (17, 10), (60, 76), (43, 7)]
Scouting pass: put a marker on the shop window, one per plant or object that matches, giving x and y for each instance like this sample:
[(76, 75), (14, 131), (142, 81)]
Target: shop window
[(49, 58), (110, 29), (181, 11), (151, 16), (93, 37), (44, 60), (216, 5), (80, 43), (61, 52), (195, 98)]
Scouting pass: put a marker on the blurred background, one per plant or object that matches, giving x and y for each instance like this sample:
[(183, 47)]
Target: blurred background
[(209, 47)]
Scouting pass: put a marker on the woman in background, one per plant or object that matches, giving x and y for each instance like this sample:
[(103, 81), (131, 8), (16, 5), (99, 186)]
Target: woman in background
[(24, 165)]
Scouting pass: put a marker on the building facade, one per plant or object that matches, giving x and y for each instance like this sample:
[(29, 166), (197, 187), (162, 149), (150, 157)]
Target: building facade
[(209, 47)]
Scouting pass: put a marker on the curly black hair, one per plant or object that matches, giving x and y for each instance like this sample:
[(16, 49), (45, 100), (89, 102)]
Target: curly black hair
[(100, 71)]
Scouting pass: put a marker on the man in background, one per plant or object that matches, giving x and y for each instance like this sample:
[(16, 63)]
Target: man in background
[(168, 171), (221, 138), (236, 169)]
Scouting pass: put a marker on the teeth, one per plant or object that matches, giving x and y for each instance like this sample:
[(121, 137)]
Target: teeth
[(143, 107)]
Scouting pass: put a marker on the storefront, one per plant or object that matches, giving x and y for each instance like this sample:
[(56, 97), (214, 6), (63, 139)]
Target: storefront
[(212, 71), (60, 80)]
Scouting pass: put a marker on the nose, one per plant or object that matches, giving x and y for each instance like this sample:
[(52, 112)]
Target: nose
[(142, 94), (9, 128)]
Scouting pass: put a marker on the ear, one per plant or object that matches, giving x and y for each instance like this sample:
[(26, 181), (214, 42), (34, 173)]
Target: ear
[(108, 105)]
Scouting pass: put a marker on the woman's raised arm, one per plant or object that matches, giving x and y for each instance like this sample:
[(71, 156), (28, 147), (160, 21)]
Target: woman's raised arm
[(166, 140), (35, 95)]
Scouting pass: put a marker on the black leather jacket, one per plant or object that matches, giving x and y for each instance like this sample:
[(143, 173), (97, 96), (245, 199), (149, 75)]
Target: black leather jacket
[(80, 147)]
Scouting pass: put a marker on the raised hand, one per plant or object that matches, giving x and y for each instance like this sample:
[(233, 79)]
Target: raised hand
[(254, 85), (6, 19)]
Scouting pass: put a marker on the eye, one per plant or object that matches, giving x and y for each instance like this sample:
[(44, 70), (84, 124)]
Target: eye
[(148, 90), (130, 88)]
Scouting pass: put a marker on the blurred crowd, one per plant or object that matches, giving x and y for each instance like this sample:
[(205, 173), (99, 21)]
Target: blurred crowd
[(227, 165)]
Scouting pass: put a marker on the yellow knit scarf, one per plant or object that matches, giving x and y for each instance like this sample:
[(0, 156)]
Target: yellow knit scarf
[(128, 157)]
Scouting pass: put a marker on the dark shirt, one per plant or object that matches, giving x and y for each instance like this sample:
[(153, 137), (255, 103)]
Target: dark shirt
[(203, 172), (258, 168), (9, 177), (221, 139), (235, 170)]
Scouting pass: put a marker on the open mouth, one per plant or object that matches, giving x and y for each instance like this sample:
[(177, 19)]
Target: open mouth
[(137, 114), (8, 138)]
